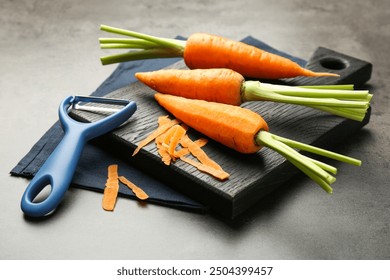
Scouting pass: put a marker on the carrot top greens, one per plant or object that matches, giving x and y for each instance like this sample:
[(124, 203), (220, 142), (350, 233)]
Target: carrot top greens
[(318, 171), (147, 46), (339, 100)]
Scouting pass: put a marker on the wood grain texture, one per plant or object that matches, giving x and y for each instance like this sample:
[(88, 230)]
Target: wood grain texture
[(252, 176)]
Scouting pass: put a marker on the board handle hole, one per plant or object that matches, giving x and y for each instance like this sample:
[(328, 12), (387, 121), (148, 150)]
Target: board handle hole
[(334, 63)]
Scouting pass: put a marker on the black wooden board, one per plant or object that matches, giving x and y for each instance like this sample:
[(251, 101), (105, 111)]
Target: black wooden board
[(251, 176)]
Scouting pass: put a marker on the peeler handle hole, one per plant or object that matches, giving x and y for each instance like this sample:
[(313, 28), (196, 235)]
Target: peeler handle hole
[(334, 63), (43, 194)]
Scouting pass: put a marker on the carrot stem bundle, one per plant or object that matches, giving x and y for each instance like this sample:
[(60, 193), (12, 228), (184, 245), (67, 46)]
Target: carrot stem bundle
[(247, 132), (229, 87), (202, 50), (351, 104)]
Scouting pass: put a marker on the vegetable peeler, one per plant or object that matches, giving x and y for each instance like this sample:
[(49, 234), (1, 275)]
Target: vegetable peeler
[(58, 169)]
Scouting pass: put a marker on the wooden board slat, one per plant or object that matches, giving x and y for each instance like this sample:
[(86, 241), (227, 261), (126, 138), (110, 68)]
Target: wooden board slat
[(252, 176)]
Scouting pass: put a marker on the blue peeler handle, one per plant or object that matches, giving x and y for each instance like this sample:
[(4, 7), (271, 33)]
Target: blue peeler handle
[(59, 168)]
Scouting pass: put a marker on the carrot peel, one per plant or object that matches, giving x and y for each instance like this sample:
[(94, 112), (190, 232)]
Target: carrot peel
[(160, 130), (139, 193), (111, 190), (174, 136), (218, 173)]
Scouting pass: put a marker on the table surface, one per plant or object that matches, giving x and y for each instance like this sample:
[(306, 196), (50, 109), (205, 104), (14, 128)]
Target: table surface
[(49, 50)]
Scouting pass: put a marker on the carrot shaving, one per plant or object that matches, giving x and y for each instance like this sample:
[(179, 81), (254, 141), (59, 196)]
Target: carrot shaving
[(197, 152), (160, 130), (185, 151), (111, 190), (139, 193), (169, 135), (162, 143), (163, 152), (217, 173), (163, 120), (175, 139)]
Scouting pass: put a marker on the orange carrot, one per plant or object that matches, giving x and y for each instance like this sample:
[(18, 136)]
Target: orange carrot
[(203, 50), (216, 122), (217, 85), (246, 132), (229, 87)]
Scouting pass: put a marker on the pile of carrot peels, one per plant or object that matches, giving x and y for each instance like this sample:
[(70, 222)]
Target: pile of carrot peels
[(173, 143)]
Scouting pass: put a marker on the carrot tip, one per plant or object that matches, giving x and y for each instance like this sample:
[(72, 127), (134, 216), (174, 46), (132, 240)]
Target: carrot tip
[(308, 72), (326, 74)]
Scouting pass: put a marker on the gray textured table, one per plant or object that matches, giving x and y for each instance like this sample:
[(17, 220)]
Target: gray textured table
[(49, 50)]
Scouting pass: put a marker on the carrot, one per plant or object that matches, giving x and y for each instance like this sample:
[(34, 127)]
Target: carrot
[(203, 50), (227, 86), (247, 132), (111, 189), (192, 113), (217, 85)]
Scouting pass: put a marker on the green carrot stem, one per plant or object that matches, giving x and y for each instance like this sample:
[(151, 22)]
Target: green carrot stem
[(254, 91), (323, 165), (346, 86), (306, 165), (322, 183), (349, 113), (341, 106), (144, 54), (138, 42), (318, 151), (317, 92), (314, 169), (176, 46), (123, 46)]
